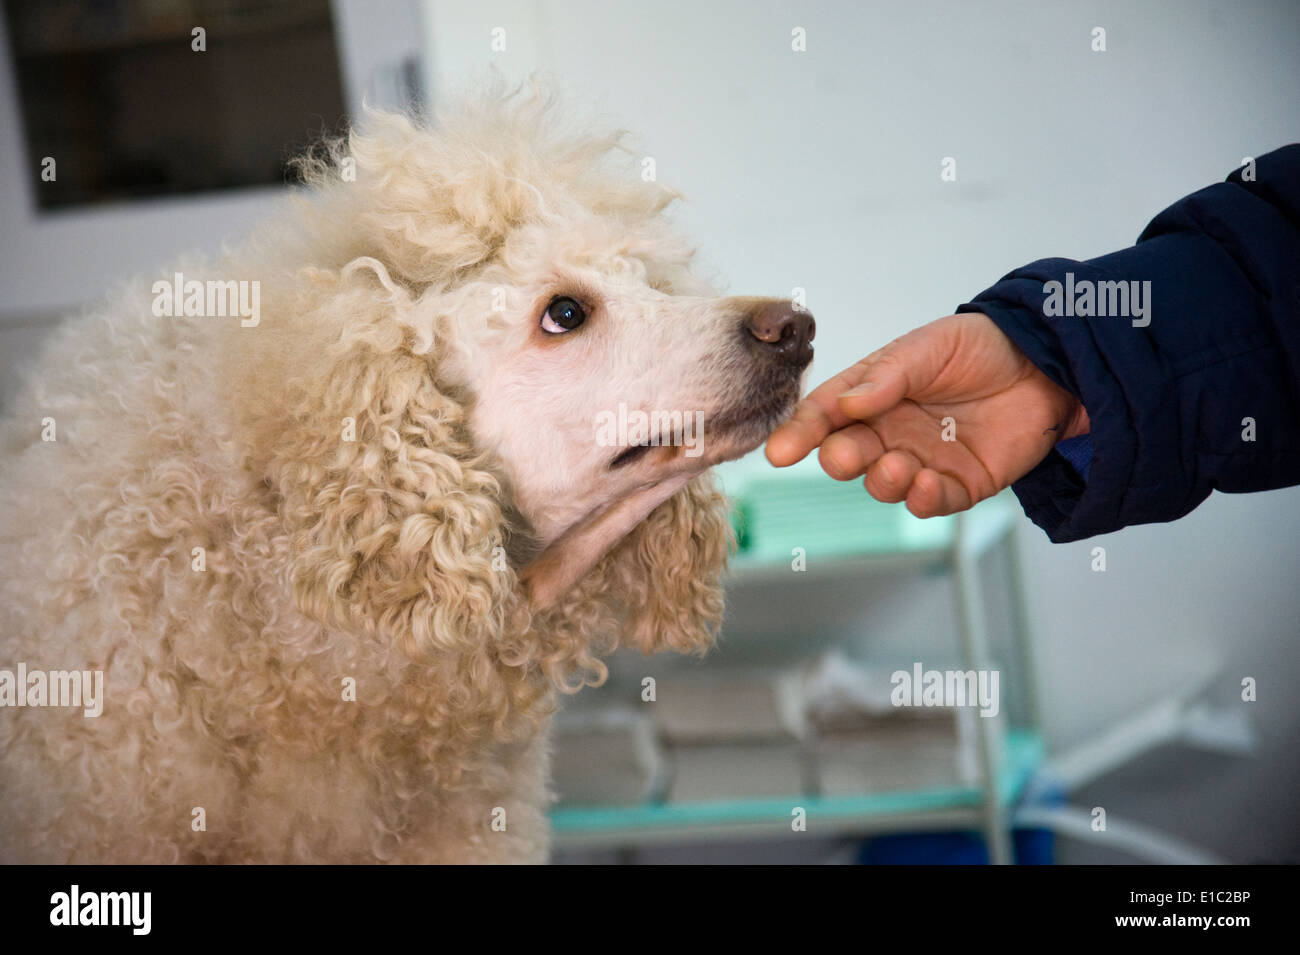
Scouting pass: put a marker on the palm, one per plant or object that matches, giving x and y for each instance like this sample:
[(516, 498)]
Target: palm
[(987, 439)]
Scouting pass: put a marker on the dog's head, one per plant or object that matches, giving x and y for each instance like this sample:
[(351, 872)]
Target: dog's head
[(537, 383)]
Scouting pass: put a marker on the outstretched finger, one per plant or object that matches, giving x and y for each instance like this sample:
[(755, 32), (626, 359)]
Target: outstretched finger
[(816, 417)]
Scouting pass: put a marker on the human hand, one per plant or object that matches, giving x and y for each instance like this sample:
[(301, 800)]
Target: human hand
[(943, 417)]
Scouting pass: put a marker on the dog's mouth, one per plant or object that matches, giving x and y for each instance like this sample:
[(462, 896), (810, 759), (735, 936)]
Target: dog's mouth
[(736, 430), (631, 454)]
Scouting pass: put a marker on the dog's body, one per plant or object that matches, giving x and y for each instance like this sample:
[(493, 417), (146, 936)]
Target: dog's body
[(332, 564), (221, 695)]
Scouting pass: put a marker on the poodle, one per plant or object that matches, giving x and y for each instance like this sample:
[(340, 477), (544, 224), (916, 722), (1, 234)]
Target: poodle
[(332, 519)]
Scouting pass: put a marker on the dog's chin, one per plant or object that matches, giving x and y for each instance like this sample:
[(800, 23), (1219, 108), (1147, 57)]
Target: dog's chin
[(737, 430)]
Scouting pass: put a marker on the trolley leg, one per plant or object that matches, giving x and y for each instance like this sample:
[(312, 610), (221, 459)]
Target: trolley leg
[(974, 641)]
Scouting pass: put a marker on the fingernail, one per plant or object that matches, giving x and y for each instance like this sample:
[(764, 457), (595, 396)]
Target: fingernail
[(861, 389)]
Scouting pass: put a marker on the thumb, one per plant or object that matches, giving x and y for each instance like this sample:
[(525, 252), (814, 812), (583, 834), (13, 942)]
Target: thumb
[(884, 384), (904, 368)]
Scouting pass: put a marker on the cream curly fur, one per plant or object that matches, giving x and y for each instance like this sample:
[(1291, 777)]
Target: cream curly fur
[(401, 291)]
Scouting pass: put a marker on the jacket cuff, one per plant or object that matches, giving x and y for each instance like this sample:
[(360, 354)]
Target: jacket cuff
[(1054, 495)]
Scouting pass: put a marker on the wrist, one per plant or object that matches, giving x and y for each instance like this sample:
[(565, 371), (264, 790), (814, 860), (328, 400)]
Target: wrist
[(1077, 422)]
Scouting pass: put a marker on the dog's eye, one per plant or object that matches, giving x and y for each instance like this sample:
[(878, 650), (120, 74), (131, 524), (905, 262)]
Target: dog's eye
[(563, 315)]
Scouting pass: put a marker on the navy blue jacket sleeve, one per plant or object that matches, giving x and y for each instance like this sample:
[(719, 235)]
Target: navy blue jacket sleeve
[(1195, 387)]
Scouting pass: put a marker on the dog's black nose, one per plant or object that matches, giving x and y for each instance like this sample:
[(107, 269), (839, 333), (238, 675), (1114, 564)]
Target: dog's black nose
[(783, 332)]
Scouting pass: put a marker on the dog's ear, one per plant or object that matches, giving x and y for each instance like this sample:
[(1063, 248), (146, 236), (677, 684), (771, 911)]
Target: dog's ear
[(395, 526), (669, 571)]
